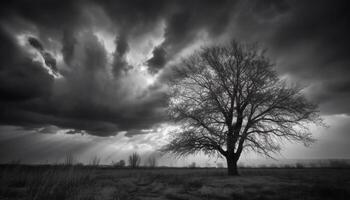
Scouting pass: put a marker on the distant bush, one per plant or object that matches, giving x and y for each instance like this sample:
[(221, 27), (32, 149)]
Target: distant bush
[(134, 160), (15, 162), (119, 164), (192, 165), (299, 166), (338, 164), (79, 164)]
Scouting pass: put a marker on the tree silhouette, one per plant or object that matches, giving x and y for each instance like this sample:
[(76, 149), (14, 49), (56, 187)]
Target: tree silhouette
[(229, 99), (134, 160)]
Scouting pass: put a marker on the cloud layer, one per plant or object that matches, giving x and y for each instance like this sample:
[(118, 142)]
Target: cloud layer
[(99, 66)]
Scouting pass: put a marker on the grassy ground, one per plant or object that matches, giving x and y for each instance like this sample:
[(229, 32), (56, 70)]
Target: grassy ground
[(19, 182)]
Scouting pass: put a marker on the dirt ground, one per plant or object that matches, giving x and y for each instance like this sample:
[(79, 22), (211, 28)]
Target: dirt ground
[(178, 184)]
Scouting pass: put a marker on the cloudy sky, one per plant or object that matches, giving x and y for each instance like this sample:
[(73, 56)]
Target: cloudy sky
[(88, 77)]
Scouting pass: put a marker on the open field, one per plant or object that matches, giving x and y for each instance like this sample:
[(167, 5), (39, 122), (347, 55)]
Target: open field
[(62, 182)]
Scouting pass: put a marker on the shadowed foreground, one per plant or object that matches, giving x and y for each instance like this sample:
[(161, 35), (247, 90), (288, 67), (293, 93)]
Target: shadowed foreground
[(21, 182)]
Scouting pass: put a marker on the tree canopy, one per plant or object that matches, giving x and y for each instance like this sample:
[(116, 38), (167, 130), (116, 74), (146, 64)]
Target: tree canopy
[(228, 99)]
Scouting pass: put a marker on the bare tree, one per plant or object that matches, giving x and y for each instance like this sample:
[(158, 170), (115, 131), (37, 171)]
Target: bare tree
[(134, 160), (229, 99)]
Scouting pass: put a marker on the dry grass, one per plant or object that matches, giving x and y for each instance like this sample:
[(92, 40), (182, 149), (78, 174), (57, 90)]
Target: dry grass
[(42, 183), (62, 182)]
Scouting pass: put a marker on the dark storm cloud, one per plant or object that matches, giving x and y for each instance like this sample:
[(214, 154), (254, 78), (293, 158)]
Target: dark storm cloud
[(51, 14), (185, 21), (68, 43), (50, 61), (49, 129), (99, 96), (86, 98), (122, 47), (319, 36), (308, 40), (35, 43), (158, 60), (136, 16), (21, 79), (73, 131)]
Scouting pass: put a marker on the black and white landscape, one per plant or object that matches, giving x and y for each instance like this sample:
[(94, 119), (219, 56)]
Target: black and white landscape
[(174, 99)]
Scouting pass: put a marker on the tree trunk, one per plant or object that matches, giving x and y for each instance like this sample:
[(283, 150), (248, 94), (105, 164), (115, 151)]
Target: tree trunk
[(232, 166)]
